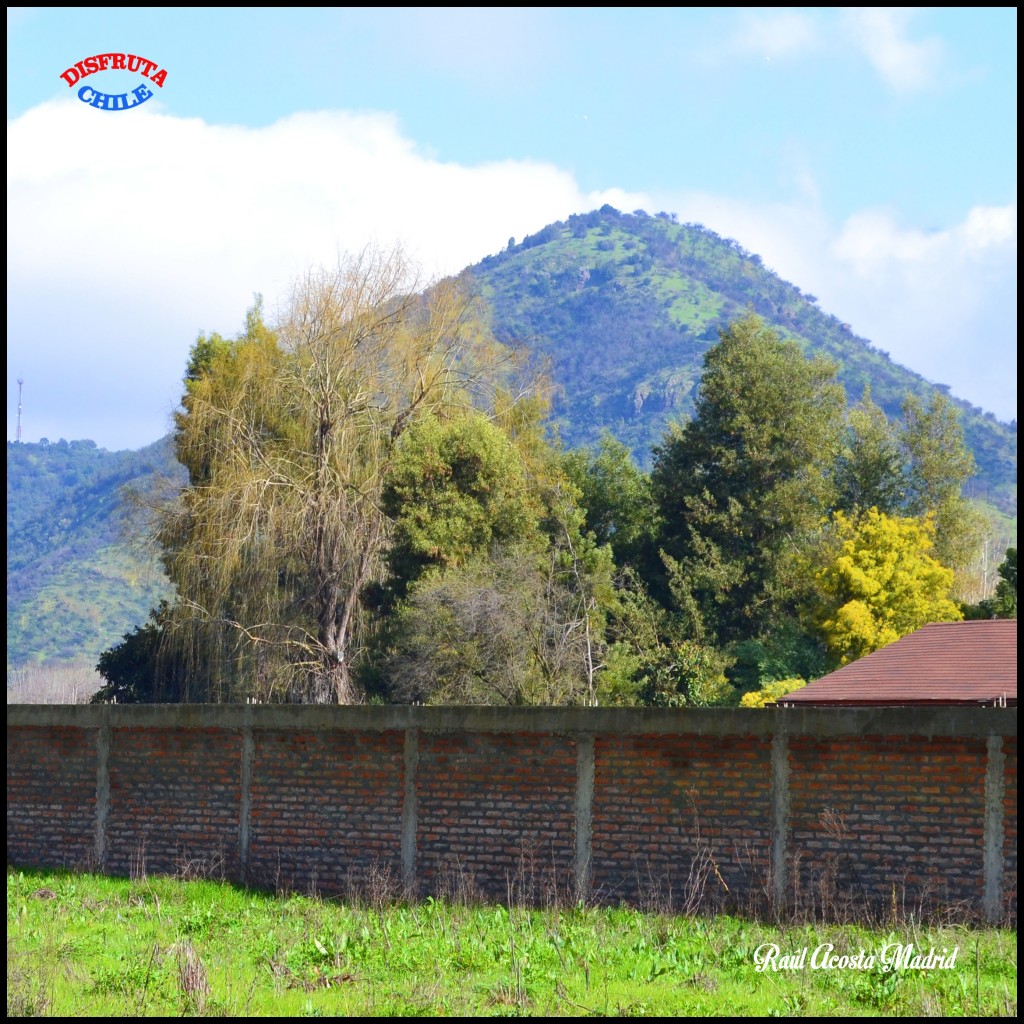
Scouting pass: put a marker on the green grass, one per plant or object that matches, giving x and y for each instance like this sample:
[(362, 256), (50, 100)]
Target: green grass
[(91, 946)]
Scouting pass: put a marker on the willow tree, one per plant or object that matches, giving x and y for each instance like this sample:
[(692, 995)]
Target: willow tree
[(288, 435)]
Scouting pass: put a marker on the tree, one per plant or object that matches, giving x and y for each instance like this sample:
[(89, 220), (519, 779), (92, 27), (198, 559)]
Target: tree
[(882, 583), (289, 436), (771, 692), (523, 621), (617, 500), (871, 471), (1003, 603), (453, 490), (138, 670), (741, 486), (939, 464), (462, 636), (683, 673), (1005, 600), (917, 467), (522, 626), (939, 461)]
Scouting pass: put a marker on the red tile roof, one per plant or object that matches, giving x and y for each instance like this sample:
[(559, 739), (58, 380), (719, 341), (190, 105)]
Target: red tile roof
[(944, 663)]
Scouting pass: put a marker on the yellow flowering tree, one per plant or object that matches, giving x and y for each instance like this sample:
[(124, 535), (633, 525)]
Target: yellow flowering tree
[(771, 692), (883, 583)]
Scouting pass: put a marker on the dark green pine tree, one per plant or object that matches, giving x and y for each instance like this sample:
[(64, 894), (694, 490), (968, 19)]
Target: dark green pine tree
[(743, 485)]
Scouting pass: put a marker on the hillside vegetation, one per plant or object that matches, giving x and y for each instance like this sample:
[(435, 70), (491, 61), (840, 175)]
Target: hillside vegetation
[(624, 306), (74, 583)]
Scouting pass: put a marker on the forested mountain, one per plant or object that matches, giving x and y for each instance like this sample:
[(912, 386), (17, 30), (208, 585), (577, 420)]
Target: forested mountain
[(624, 306), (73, 583)]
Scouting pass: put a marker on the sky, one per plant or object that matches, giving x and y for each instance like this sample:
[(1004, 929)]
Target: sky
[(867, 154)]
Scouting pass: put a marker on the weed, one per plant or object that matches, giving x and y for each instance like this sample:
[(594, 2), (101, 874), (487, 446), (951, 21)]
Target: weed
[(193, 983), (375, 887), (793, 1005), (137, 862), (878, 988), (188, 868), (29, 984), (457, 885)]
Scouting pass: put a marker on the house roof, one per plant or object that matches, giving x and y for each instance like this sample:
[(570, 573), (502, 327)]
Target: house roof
[(944, 663)]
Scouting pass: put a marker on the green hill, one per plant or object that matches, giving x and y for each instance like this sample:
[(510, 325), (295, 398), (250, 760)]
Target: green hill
[(624, 306), (74, 583)]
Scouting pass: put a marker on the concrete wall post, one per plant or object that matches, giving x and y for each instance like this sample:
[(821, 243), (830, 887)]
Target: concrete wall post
[(584, 811), (993, 856), (103, 734), (411, 761), (245, 793), (779, 815)]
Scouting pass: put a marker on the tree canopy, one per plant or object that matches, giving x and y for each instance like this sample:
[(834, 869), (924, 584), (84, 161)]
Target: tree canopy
[(374, 510), (290, 435), (453, 490)]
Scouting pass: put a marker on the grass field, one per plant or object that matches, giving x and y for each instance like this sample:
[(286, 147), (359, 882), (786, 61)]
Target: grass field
[(84, 945)]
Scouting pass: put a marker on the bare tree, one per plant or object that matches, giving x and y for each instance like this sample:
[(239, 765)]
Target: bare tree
[(523, 625)]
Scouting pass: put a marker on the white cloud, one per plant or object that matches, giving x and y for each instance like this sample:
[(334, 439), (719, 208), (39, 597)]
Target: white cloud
[(760, 34), (945, 300), (881, 33), (127, 233), (774, 34)]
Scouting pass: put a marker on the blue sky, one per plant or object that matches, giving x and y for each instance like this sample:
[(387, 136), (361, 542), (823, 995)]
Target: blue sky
[(868, 154)]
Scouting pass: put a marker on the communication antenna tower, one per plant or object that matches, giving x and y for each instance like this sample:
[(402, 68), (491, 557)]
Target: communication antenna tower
[(21, 382)]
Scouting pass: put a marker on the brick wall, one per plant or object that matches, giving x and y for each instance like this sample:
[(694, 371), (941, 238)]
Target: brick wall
[(495, 812), (326, 807), (680, 817), (906, 824), (807, 809), (174, 801), (51, 796)]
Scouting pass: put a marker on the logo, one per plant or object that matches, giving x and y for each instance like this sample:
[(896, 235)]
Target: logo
[(116, 62)]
